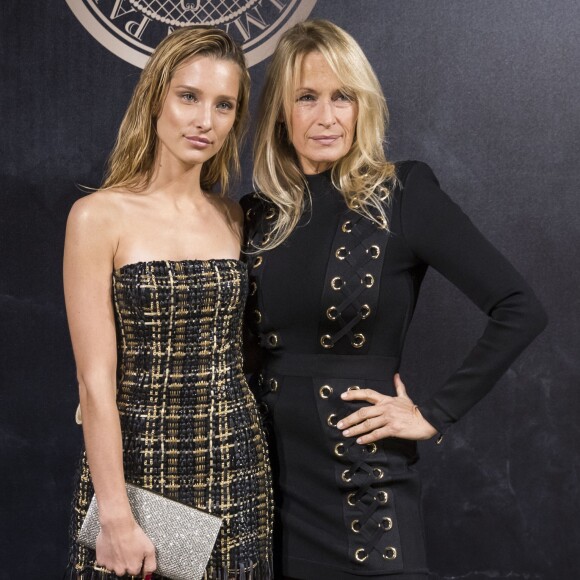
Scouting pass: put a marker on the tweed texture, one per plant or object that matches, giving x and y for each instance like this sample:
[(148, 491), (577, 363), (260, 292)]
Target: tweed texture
[(190, 426)]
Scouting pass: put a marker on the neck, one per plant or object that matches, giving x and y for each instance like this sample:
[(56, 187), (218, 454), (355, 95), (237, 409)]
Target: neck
[(176, 179), (315, 168)]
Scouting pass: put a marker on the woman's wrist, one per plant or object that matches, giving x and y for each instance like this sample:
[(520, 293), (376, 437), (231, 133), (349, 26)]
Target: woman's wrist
[(116, 520), (115, 512)]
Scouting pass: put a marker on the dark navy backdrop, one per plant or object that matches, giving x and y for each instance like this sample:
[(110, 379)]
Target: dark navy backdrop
[(487, 93)]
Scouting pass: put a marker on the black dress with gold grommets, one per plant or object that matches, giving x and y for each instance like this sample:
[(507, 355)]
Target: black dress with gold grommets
[(330, 309)]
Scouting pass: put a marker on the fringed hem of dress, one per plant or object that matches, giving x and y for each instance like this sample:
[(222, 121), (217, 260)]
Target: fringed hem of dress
[(260, 571)]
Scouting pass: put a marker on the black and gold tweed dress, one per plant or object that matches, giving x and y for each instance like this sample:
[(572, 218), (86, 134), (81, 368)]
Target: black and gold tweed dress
[(191, 430)]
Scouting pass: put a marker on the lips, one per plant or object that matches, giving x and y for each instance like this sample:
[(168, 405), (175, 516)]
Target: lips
[(325, 139), (196, 140)]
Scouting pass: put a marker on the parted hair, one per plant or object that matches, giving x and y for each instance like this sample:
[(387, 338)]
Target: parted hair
[(131, 163), (363, 176)]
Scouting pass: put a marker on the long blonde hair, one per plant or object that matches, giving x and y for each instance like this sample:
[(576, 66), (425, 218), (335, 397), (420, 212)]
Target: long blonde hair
[(363, 175), (131, 163)]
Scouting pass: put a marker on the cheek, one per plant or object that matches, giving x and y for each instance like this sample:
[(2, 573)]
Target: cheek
[(167, 118), (349, 124), (299, 127), (350, 120), (228, 125)]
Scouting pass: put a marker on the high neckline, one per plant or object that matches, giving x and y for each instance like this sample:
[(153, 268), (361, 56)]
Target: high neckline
[(318, 181)]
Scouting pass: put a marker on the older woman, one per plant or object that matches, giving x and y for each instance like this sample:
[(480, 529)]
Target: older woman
[(155, 293), (340, 240)]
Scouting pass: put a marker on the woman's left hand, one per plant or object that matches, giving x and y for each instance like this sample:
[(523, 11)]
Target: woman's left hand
[(385, 416)]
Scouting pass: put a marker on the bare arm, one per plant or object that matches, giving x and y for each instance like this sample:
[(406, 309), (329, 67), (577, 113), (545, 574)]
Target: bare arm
[(89, 249)]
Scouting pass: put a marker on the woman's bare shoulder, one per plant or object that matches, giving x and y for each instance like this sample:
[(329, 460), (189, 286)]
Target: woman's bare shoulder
[(97, 213)]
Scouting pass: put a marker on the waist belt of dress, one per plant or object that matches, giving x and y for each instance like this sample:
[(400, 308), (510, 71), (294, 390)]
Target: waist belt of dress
[(377, 368)]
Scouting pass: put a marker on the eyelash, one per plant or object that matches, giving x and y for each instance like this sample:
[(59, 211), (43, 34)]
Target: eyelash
[(340, 96), (192, 98)]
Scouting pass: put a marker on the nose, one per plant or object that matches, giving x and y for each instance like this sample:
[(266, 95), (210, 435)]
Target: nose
[(327, 117), (203, 119)]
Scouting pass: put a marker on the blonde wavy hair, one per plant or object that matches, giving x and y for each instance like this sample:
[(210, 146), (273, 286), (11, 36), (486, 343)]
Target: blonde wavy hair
[(131, 163), (363, 176)]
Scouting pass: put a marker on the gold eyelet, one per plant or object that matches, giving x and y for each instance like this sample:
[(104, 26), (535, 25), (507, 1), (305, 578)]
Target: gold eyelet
[(382, 222), (264, 408), (249, 213), (341, 253), (273, 339), (325, 391), (332, 420), (390, 553), (337, 283), (368, 280), (273, 385), (355, 526), (257, 316), (383, 195), (270, 213), (326, 341), (361, 555), (355, 204), (339, 449), (374, 251), (370, 448), (378, 473), (386, 524), (382, 497), (350, 499), (365, 311), (265, 240), (440, 439), (332, 313), (258, 261), (358, 340), (353, 388), (346, 476), (347, 227), (253, 288)]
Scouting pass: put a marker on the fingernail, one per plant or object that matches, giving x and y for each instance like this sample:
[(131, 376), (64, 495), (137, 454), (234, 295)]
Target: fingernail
[(359, 440), (344, 395), (346, 433), (340, 424)]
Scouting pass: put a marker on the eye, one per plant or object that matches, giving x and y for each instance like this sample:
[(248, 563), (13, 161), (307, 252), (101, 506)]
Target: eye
[(189, 97), (307, 97), (342, 96), (225, 106)]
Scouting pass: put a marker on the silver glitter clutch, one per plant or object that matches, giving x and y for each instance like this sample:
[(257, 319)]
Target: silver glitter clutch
[(183, 536)]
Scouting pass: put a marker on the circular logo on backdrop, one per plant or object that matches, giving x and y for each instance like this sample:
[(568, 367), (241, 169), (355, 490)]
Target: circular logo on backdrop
[(131, 29)]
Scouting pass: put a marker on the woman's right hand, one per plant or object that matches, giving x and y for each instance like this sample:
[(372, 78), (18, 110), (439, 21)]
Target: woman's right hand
[(124, 548)]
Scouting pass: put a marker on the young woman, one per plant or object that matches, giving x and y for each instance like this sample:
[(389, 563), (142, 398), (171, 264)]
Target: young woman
[(155, 293), (340, 239)]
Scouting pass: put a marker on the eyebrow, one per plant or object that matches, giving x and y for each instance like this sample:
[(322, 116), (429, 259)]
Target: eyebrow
[(196, 90), (342, 90)]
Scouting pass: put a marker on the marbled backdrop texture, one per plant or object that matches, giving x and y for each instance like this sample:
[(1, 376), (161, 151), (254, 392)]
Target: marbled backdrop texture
[(487, 94)]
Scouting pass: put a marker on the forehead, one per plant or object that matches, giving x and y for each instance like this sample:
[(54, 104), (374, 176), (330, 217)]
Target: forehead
[(209, 70), (313, 69)]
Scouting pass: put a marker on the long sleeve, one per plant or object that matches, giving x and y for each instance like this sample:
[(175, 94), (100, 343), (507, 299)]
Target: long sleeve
[(442, 236)]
